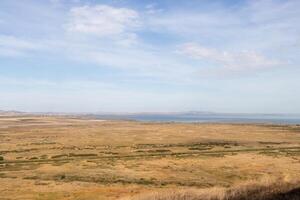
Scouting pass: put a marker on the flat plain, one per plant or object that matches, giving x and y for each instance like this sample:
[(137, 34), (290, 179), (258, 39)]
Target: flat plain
[(60, 157)]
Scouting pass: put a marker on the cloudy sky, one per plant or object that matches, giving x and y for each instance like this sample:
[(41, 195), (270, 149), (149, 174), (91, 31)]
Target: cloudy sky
[(164, 55)]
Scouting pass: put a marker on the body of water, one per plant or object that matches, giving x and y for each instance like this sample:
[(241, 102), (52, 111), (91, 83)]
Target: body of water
[(209, 118)]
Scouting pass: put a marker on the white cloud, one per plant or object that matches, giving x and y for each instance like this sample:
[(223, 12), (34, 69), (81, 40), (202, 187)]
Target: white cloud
[(233, 61), (259, 26), (13, 46), (151, 9), (102, 20)]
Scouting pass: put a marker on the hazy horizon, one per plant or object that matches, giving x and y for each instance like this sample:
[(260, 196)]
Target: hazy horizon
[(132, 56), (189, 112)]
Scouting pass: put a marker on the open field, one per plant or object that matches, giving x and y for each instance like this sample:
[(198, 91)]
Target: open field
[(81, 158)]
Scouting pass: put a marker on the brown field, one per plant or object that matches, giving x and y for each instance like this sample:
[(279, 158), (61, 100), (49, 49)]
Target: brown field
[(54, 158)]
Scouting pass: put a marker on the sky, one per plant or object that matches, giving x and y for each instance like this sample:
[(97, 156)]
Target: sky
[(234, 56)]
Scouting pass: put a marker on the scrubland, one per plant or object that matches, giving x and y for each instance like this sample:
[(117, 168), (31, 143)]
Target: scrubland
[(56, 157)]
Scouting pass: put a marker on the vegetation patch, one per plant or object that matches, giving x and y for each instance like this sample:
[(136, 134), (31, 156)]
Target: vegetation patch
[(82, 155), (249, 191)]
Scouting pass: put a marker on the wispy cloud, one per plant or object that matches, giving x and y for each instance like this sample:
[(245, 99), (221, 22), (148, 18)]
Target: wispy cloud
[(48, 84), (240, 61), (268, 27), (152, 9), (111, 39), (110, 36), (13, 46), (102, 20)]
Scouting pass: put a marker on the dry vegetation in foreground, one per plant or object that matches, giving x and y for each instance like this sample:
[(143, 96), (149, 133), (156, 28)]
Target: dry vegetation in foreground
[(268, 189), (69, 158)]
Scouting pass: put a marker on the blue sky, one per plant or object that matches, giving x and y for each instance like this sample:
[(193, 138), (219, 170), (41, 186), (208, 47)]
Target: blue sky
[(134, 56)]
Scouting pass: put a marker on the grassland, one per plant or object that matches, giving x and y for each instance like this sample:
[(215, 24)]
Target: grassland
[(80, 158)]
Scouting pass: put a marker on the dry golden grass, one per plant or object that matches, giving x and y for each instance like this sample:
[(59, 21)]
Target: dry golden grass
[(79, 158), (266, 189)]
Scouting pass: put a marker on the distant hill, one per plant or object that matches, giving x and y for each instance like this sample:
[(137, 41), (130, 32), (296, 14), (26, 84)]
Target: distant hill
[(11, 112)]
